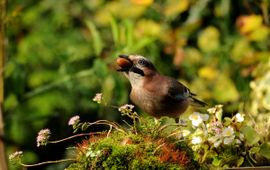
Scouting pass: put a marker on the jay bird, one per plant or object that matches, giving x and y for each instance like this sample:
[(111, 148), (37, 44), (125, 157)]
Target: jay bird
[(155, 94)]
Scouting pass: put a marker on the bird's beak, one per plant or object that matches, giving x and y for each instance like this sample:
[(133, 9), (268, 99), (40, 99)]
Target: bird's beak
[(124, 62)]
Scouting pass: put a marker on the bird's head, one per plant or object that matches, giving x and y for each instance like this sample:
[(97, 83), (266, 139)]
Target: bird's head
[(136, 67)]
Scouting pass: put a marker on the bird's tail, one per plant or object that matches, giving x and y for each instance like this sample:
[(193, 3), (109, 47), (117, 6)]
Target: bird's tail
[(197, 103)]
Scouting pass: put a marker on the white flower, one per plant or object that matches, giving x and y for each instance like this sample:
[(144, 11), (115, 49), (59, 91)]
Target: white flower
[(74, 120), (239, 117), (196, 140), (228, 132), (196, 119)]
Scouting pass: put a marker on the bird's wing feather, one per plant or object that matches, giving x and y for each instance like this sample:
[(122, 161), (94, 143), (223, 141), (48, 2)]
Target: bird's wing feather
[(178, 91)]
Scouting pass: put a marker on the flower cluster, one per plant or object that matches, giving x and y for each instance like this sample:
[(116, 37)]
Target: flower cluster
[(125, 109), (43, 137), (214, 130), (211, 133), (198, 118)]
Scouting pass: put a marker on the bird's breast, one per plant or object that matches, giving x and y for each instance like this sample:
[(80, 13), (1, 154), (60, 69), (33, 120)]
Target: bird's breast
[(156, 104), (144, 99)]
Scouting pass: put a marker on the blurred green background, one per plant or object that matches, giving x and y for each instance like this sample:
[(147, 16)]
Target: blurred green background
[(62, 52)]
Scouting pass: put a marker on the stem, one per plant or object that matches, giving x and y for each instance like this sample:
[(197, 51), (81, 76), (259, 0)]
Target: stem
[(71, 137), (47, 162), (165, 126), (109, 123), (174, 132), (204, 129), (99, 122), (108, 134), (134, 125)]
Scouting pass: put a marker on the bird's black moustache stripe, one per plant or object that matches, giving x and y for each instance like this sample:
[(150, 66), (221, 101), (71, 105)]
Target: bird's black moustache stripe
[(123, 69), (137, 70)]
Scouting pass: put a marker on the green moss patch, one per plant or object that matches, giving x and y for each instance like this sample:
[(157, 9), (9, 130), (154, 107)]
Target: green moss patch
[(134, 148)]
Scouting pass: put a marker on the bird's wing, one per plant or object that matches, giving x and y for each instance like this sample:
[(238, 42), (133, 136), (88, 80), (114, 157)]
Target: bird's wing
[(178, 91)]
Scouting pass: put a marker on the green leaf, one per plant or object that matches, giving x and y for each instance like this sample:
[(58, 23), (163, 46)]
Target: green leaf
[(84, 126), (240, 161), (11, 102), (228, 121), (218, 115), (97, 41), (265, 150), (254, 150), (143, 43), (216, 162), (250, 135), (115, 31), (129, 33)]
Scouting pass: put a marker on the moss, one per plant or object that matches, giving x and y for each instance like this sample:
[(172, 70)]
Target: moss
[(135, 148)]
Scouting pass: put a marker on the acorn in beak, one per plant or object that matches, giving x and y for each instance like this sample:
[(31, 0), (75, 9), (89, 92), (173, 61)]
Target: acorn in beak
[(124, 62)]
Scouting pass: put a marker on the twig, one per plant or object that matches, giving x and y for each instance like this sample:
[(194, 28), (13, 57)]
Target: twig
[(47, 162)]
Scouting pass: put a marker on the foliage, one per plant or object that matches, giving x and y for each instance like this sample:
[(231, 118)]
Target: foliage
[(61, 52), (131, 151), (120, 147), (216, 142), (226, 142)]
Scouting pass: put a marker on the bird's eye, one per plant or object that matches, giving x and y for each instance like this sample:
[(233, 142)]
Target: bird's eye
[(143, 63)]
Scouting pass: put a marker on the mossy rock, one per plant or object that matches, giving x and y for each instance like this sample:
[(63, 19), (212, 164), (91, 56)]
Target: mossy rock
[(133, 150)]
